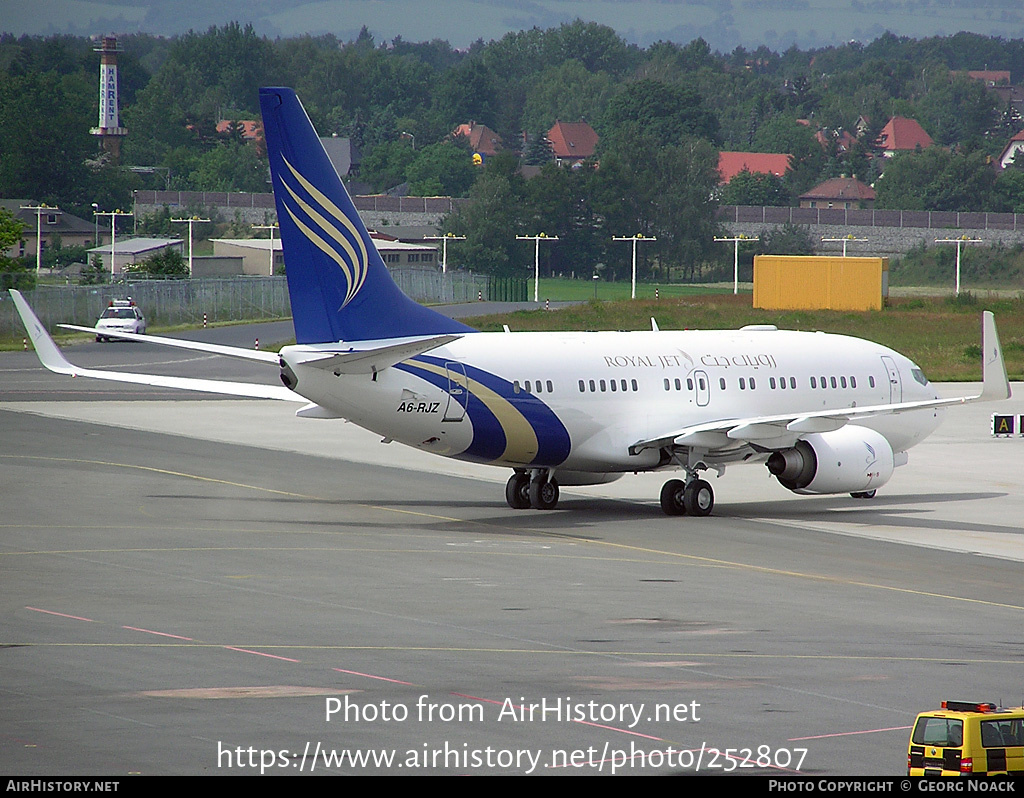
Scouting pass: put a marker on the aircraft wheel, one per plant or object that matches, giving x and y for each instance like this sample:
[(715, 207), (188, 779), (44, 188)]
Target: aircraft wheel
[(699, 498), (543, 495), (864, 494), (517, 492), (672, 497)]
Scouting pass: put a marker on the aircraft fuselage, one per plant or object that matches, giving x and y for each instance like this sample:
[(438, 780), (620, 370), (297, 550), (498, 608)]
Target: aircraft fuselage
[(578, 401)]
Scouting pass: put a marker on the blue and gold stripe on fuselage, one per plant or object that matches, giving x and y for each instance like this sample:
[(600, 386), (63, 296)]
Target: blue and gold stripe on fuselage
[(508, 427)]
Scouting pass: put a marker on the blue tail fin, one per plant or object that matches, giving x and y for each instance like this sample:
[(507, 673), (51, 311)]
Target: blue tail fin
[(340, 289)]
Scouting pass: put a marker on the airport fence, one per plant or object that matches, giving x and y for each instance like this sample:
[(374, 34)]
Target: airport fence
[(164, 302), (169, 302), (508, 289), (430, 285)]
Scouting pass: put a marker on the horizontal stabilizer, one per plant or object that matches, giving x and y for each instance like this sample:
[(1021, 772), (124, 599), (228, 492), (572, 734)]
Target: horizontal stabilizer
[(53, 359), (181, 343), (369, 358)]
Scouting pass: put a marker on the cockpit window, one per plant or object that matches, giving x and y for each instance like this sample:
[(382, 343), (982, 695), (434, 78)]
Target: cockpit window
[(919, 375)]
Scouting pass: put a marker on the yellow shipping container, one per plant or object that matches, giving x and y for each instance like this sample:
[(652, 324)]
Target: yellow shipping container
[(816, 282)]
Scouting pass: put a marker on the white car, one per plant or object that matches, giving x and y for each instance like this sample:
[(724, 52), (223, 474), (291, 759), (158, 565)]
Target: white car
[(122, 315)]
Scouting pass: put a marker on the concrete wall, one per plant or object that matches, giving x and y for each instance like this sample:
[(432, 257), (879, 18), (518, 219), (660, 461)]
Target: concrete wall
[(888, 233), (376, 211), (216, 266)]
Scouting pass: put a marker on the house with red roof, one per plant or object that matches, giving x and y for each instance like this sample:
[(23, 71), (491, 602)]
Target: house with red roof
[(902, 134), (483, 141), (839, 192), (252, 130), (1013, 146), (998, 82), (572, 142), (731, 164), (843, 140), (990, 77)]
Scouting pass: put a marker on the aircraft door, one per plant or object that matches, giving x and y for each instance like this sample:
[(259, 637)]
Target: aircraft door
[(701, 388), (458, 393), (895, 384)]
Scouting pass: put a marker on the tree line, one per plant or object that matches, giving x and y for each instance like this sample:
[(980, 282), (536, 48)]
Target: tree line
[(662, 114)]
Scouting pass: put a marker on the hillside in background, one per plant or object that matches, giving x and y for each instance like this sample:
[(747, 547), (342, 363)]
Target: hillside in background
[(725, 25)]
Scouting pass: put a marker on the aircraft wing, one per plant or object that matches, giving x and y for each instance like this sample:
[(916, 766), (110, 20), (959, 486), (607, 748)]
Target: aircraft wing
[(782, 431), (52, 358)]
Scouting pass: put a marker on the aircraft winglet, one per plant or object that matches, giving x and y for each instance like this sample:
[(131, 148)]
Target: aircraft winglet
[(49, 355), (994, 383)]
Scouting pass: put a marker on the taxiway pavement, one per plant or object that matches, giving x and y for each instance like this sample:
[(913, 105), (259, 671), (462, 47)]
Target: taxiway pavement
[(191, 586)]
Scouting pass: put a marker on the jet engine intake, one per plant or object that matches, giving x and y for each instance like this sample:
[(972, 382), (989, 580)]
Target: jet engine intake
[(848, 460)]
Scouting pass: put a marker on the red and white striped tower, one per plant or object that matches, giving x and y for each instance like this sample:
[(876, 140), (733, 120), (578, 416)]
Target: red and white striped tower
[(109, 130)]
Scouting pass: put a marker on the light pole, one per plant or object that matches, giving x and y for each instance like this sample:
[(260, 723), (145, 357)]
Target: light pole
[(113, 232), (634, 239), (444, 247), (736, 241), (192, 220), (845, 240), (95, 226), (536, 259), (958, 241), (270, 227), (40, 209)]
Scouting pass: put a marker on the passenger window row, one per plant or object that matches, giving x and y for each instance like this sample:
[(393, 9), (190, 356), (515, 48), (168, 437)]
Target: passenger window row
[(774, 383), (677, 384), (537, 386), (840, 382), (623, 385)]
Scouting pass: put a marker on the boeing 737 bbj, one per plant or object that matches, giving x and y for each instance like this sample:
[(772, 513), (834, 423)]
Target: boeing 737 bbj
[(825, 413)]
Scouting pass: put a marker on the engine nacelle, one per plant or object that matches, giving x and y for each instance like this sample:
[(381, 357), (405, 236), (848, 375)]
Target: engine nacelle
[(848, 460)]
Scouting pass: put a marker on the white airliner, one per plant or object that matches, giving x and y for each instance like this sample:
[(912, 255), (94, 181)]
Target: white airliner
[(826, 413)]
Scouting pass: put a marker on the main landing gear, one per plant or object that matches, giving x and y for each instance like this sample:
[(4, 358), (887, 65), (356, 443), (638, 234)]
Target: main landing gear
[(693, 497), (536, 489)]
